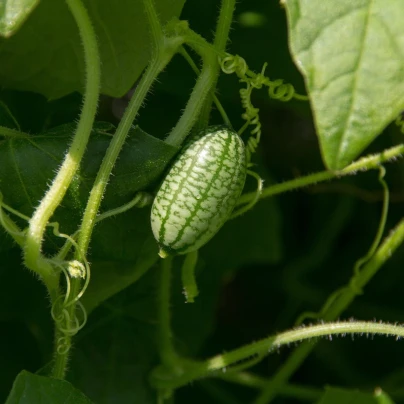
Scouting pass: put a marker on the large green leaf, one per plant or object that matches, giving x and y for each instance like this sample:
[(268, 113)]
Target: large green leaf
[(13, 13), (33, 389), (351, 54), (6, 117), (117, 349), (28, 164), (46, 54)]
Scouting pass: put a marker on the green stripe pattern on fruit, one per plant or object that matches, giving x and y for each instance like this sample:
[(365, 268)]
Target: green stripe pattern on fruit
[(200, 191)]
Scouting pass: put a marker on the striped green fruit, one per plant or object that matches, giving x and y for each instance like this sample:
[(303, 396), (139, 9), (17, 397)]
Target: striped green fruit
[(199, 192)]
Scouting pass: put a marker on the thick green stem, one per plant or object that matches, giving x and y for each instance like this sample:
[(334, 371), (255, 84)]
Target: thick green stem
[(32, 252), (114, 149), (60, 366), (223, 24), (220, 42), (195, 68), (168, 355), (203, 86), (272, 344), (195, 102), (163, 51), (157, 35)]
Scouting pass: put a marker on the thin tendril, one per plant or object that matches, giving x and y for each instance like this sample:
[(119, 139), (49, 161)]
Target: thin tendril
[(12, 210), (63, 316), (258, 192), (247, 364), (140, 200), (277, 89), (352, 286)]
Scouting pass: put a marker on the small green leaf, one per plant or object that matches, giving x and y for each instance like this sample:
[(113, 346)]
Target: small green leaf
[(351, 54), (33, 389), (46, 54), (337, 396), (13, 13)]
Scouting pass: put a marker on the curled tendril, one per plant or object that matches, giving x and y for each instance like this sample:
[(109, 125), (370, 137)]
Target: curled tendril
[(63, 345), (56, 314), (399, 121), (234, 64), (67, 324), (64, 323), (252, 142), (71, 269), (256, 198), (277, 89), (251, 115), (73, 330), (281, 91)]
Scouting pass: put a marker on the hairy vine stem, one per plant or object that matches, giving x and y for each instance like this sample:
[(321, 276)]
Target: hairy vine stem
[(363, 164), (220, 42), (167, 352), (196, 100), (164, 381), (163, 50), (273, 343), (69, 167), (34, 236), (368, 271), (164, 47)]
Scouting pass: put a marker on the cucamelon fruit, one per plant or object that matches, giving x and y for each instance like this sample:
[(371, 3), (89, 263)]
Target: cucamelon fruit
[(199, 192)]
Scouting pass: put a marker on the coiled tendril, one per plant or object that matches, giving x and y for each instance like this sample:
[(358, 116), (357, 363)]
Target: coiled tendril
[(277, 90), (67, 325), (71, 269)]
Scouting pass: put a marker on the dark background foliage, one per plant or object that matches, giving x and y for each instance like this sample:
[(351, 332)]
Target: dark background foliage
[(255, 278)]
